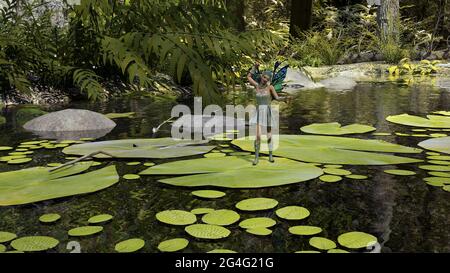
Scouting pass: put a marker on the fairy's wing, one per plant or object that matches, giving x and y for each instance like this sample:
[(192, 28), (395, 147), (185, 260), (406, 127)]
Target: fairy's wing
[(279, 77)]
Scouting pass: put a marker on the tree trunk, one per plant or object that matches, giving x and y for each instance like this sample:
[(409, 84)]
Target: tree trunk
[(301, 16), (388, 17), (237, 9)]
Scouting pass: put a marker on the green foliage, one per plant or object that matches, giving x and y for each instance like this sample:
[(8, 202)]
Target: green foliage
[(392, 52), (405, 67)]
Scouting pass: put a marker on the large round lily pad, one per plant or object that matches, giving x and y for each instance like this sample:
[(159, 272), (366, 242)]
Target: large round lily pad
[(142, 148), (176, 217), (334, 150), (258, 222), (130, 245), (234, 172), (222, 217), (209, 194), (335, 128), (400, 172), (356, 239), (85, 231), (254, 204), (101, 218), (38, 184), (205, 231), (293, 213), (441, 145), (49, 218), (261, 231), (34, 243), (432, 121), (173, 245)]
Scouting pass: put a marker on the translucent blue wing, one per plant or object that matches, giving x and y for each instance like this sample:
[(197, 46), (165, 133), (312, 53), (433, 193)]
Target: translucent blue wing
[(279, 77)]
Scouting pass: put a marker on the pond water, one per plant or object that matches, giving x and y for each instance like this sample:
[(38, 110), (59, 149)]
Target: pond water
[(404, 213)]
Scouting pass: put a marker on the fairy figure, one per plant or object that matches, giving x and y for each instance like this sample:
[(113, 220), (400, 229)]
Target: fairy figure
[(264, 117)]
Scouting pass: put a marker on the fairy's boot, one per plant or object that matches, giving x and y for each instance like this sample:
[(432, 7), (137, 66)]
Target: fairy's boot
[(270, 150), (257, 146)]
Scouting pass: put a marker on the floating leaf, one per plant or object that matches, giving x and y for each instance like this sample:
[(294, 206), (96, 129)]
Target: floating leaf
[(201, 211), (439, 180), (431, 121), (130, 245), (322, 243), (221, 250), (439, 162), (333, 166), (221, 217), (334, 150), (208, 194), (445, 113), (2, 248), (234, 172), (54, 164), (335, 250), (131, 176), (173, 245), (254, 204), (258, 222), (5, 148), (85, 231), (400, 172), (204, 231), (100, 218), (133, 163), (305, 230), (357, 177), (7, 236), (120, 115), (49, 218), (356, 239), (176, 217), (330, 178), (438, 168), (149, 164), (441, 145), (336, 171), (307, 251), (382, 134), (210, 155), (34, 243), (38, 184), (259, 231), (440, 174), (335, 128), (142, 148), (293, 213), (19, 161), (439, 157)]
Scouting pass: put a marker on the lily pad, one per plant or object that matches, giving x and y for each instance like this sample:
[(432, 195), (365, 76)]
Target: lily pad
[(210, 194), (49, 218), (439, 157), (382, 134), (121, 115), (176, 217), (210, 155), (2, 248), (205, 231), (19, 161), (259, 231), (142, 148), (255, 204), (293, 213), (330, 178), (356, 239), (7, 236), (336, 171), (440, 180), (133, 163), (100, 218), (322, 243), (234, 172), (333, 166), (221, 217), (201, 211), (438, 168), (258, 222), (307, 252), (131, 176), (149, 164), (221, 250), (34, 243), (400, 172), (432, 121), (440, 174), (173, 245), (38, 184), (441, 145), (85, 231), (335, 250), (335, 128), (334, 150), (5, 148), (357, 177), (305, 230), (444, 113), (439, 162), (130, 245)]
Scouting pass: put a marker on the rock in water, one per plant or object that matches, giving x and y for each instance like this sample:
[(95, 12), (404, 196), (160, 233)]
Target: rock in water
[(339, 83), (71, 124)]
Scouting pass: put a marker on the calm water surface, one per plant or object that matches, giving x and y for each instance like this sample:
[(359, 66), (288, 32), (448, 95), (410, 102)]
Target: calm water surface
[(403, 212)]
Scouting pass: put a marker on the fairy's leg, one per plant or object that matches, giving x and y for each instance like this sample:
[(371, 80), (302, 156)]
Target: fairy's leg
[(270, 144), (257, 144)]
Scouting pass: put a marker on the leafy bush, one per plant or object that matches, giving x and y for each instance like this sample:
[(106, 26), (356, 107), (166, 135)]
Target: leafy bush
[(405, 67)]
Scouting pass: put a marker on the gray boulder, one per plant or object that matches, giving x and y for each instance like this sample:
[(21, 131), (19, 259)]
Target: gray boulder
[(71, 124), (339, 83)]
